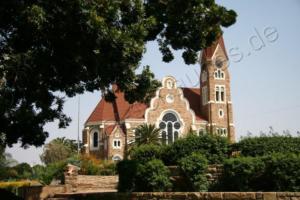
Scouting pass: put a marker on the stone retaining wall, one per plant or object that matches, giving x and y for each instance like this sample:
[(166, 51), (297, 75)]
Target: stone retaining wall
[(187, 196)]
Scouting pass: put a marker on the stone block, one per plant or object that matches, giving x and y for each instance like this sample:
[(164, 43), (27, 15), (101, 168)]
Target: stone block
[(269, 196), (215, 196), (248, 195), (231, 195)]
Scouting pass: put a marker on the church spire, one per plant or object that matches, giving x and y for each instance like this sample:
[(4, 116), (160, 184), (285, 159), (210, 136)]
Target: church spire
[(215, 100), (208, 52)]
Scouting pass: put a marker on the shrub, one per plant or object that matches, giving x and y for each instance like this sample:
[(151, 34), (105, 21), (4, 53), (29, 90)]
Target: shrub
[(214, 148), (152, 176), (145, 153), (127, 170), (242, 174), (53, 171), (194, 167), (263, 145), (282, 172), (92, 166), (274, 172)]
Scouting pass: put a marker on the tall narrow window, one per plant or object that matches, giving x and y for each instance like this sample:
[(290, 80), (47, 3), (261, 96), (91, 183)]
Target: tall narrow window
[(217, 93), (95, 139), (219, 74), (117, 144), (220, 93), (204, 95)]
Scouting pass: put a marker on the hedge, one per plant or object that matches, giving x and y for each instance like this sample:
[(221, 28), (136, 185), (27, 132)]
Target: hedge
[(274, 172), (263, 145), (214, 148)]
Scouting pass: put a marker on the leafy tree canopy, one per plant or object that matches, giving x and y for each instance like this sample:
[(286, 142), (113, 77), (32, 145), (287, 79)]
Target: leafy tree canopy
[(58, 149), (72, 46)]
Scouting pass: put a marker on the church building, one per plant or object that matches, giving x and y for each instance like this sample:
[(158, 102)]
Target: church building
[(175, 110)]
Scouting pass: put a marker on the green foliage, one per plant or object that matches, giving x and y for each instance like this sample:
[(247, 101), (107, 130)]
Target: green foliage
[(195, 167), (282, 172), (274, 172), (214, 148), (23, 171), (147, 134), (53, 171), (243, 174), (127, 170), (145, 153), (58, 149), (263, 145), (77, 45), (92, 166), (152, 176)]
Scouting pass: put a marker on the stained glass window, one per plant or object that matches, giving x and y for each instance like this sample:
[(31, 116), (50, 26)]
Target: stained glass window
[(170, 127)]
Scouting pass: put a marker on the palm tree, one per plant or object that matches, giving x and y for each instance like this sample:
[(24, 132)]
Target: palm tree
[(147, 134)]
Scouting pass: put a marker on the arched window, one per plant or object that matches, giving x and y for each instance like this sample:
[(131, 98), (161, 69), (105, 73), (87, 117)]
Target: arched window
[(95, 139), (170, 127), (116, 158), (219, 74)]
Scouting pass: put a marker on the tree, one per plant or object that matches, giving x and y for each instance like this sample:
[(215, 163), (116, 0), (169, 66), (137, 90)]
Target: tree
[(147, 134), (72, 46), (58, 149)]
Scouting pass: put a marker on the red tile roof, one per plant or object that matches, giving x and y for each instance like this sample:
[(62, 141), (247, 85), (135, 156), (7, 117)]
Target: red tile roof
[(208, 52), (109, 129), (120, 109)]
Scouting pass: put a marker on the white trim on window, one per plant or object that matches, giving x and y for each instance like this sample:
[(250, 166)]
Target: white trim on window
[(222, 132), (94, 134), (221, 113), (220, 93), (116, 143), (219, 74)]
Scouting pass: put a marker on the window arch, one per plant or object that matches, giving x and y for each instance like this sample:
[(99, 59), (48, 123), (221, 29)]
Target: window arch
[(94, 139), (170, 128), (116, 158), (219, 74)]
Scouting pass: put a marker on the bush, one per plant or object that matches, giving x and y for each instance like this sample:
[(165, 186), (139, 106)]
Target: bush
[(145, 153), (92, 166), (127, 170), (282, 172), (274, 172), (53, 171), (194, 167), (263, 145), (242, 174), (152, 176), (214, 148)]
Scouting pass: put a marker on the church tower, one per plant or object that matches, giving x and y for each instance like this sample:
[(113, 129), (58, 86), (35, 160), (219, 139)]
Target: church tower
[(216, 103)]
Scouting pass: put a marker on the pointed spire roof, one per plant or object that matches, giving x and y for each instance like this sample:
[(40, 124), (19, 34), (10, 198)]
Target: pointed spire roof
[(208, 52)]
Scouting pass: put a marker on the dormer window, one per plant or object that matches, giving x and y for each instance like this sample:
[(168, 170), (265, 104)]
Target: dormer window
[(219, 74)]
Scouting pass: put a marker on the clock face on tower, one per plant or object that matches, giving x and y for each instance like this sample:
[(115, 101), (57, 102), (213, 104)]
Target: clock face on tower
[(220, 62)]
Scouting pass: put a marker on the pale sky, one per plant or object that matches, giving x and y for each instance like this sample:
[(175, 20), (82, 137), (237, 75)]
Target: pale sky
[(264, 81)]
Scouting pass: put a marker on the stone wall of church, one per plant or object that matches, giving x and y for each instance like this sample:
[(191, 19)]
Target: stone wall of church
[(178, 104)]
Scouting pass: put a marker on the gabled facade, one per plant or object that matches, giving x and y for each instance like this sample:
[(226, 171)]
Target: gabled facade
[(208, 109)]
